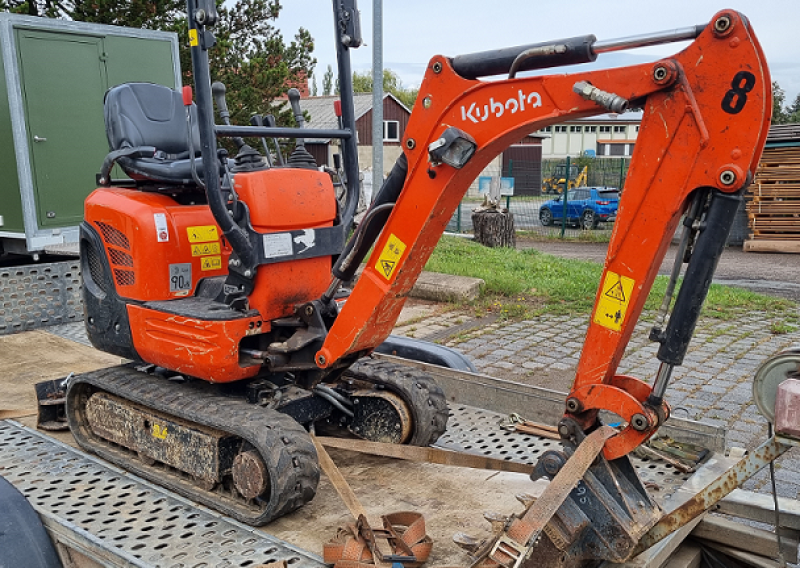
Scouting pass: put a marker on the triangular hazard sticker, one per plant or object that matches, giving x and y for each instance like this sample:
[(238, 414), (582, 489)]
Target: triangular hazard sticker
[(616, 292), (388, 267)]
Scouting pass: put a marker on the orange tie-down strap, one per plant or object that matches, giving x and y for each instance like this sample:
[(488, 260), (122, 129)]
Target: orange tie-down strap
[(356, 544)]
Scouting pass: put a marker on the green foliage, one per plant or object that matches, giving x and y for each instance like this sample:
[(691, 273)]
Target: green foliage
[(782, 114), (567, 285), (327, 81), (251, 57), (362, 83)]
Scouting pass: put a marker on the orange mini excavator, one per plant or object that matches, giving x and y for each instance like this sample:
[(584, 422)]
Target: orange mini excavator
[(224, 279)]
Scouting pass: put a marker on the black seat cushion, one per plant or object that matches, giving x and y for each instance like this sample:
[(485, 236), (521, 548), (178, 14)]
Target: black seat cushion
[(146, 114)]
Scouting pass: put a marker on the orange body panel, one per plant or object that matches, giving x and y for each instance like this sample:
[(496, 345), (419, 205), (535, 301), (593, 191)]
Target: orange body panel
[(285, 200), (687, 138), (146, 233), (198, 348), (140, 253)]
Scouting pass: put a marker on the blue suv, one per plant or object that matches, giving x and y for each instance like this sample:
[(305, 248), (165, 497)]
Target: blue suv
[(586, 207)]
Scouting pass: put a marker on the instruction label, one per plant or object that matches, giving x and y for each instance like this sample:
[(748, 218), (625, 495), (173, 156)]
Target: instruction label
[(162, 232), (205, 248), (278, 244), (392, 252), (614, 299), (202, 234), (193, 38), (211, 263)]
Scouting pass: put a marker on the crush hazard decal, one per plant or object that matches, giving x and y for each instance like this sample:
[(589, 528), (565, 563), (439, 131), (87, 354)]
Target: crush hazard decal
[(202, 234), (392, 252), (614, 299)]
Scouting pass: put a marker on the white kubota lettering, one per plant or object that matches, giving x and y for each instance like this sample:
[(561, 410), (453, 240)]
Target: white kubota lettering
[(477, 113)]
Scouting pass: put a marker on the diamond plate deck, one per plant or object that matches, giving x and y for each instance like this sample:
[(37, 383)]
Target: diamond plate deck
[(119, 516), (125, 520), (38, 295)]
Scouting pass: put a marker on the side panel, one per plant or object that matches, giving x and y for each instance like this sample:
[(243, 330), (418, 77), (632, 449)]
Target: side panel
[(63, 81), (130, 59), (10, 201)]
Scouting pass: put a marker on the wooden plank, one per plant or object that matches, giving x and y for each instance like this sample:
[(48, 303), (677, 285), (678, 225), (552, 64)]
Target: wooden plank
[(688, 555), (744, 537), (756, 245), (758, 507)]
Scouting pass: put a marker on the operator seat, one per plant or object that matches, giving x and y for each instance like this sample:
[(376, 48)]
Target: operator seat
[(146, 129)]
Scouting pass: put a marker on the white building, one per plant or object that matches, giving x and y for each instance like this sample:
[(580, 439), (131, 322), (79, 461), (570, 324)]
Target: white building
[(602, 135)]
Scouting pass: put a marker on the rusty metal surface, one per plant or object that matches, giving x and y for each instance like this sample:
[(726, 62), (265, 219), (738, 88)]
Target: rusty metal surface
[(381, 416), (121, 520), (713, 492)]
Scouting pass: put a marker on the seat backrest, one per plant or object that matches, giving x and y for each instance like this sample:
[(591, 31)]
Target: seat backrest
[(147, 114)]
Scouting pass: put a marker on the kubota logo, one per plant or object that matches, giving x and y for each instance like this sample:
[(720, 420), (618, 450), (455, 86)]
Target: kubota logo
[(494, 108)]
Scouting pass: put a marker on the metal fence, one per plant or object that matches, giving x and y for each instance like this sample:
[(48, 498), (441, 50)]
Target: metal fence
[(531, 200)]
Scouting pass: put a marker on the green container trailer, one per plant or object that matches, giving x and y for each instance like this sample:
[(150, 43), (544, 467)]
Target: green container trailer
[(53, 76)]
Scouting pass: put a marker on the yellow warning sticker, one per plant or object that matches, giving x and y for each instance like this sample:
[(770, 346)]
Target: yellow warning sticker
[(193, 41), (392, 252), (205, 248), (211, 263), (202, 234), (614, 299)]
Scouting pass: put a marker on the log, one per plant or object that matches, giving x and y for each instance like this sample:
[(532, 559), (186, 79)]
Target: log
[(494, 227)]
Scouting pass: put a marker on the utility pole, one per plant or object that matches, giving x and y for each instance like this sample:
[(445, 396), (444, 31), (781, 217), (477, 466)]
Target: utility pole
[(377, 95)]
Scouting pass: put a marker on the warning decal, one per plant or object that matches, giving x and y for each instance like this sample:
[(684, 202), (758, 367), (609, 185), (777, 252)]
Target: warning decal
[(614, 299), (204, 249), (202, 234), (392, 252), (211, 263), (193, 38)]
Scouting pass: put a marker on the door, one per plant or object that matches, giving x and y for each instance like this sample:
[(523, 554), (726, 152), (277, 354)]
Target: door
[(524, 163), (63, 83)]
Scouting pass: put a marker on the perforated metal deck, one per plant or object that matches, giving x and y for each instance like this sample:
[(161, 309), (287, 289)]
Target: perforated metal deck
[(143, 525)]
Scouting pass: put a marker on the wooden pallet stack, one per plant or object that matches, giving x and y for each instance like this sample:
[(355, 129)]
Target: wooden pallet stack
[(773, 200)]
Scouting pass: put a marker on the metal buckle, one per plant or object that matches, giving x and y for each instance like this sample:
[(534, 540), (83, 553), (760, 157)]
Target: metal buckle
[(511, 548)]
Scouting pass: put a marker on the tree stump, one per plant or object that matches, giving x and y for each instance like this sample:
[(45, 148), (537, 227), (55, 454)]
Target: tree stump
[(494, 227)]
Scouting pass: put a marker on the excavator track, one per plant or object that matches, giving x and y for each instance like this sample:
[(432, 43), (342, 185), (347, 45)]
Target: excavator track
[(424, 398), (273, 455)]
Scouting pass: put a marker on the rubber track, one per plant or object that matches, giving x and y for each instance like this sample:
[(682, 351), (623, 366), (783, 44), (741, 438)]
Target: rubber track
[(283, 444), (419, 390)]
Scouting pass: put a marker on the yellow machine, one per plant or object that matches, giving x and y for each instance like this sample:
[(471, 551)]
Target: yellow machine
[(555, 183)]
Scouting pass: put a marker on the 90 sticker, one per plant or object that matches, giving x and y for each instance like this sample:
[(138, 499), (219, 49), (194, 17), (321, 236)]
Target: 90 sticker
[(180, 277)]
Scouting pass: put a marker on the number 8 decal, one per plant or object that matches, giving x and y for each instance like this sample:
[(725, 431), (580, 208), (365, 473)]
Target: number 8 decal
[(735, 99)]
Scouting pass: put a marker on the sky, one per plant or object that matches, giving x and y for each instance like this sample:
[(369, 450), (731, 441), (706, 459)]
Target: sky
[(416, 30)]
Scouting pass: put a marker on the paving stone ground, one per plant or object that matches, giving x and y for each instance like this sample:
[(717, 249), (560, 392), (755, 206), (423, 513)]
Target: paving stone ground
[(714, 385)]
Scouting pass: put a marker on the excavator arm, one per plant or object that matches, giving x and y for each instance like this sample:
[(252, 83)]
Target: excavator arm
[(705, 119)]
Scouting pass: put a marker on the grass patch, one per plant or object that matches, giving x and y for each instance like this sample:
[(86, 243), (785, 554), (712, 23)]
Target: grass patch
[(522, 284)]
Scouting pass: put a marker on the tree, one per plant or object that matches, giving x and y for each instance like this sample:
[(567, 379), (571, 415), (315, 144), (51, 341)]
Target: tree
[(327, 81), (779, 114), (793, 110), (250, 58), (313, 81), (362, 83)]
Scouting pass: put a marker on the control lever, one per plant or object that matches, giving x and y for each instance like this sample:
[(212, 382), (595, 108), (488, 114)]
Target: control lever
[(258, 120), (300, 157), (248, 159), (269, 120)]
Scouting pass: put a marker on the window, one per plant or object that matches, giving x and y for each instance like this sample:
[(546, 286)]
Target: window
[(637, 129), (560, 128), (391, 131), (620, 129), (605, 129), (574, 128), (590, 129), (546, 129)]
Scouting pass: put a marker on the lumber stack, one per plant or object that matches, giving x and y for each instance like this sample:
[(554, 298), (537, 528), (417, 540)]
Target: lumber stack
[(773, 200)]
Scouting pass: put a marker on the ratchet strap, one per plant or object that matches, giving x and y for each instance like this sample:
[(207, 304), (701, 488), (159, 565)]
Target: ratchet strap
[(513, 546), (356, 544)]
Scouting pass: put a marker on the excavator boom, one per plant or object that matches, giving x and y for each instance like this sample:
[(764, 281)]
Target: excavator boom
[(705, 119)]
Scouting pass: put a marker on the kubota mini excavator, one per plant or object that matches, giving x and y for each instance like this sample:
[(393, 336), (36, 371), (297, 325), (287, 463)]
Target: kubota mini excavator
[(216, 278)]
